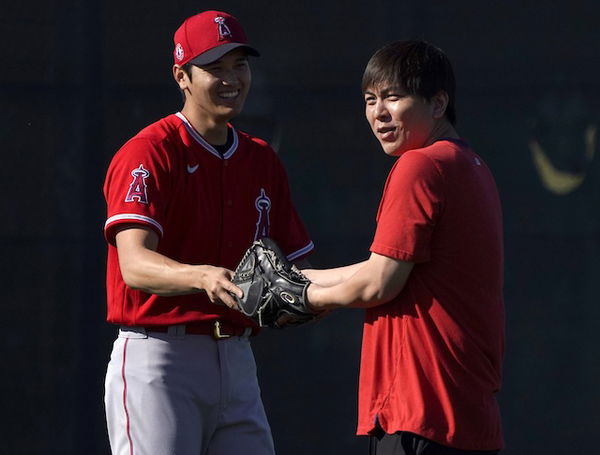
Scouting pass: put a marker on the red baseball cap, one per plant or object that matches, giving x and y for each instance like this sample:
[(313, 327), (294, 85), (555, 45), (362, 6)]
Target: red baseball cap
[(207, 36)]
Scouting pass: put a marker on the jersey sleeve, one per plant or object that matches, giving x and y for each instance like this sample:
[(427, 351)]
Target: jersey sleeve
[(409, 208), (136, 188), (288, 229)]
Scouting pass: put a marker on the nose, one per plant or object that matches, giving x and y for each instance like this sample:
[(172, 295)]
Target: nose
[(380, 111), (230, 77)]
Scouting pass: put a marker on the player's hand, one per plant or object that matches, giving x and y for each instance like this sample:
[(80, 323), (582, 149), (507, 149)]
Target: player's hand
[(311, 274), (216, 282), (323, 278)]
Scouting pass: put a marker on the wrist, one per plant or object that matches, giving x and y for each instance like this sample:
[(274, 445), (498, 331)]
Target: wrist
[(313, 300), (198, 276)]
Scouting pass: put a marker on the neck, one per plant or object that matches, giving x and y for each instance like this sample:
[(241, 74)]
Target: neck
[(442, 129), (211, 129)]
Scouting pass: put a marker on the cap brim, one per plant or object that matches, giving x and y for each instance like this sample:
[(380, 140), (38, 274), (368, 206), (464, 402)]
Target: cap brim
[(217, 52)]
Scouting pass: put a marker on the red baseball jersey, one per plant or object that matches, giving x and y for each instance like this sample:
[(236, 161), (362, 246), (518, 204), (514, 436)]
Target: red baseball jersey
[(206, 208), (431, 357)]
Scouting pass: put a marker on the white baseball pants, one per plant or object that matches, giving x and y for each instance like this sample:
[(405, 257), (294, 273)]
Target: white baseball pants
[(169, 394)]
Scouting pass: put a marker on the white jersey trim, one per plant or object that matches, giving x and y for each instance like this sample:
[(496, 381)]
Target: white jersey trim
[(301, 251), (134, 217), (198, 137)]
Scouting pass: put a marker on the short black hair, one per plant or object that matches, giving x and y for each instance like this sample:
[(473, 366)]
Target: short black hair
[(187, 69), (415, 66)]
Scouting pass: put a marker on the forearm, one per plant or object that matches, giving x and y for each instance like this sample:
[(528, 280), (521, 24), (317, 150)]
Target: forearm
[(332, 277), (376, 281), (356, 292), (142, 267), (155, 273)]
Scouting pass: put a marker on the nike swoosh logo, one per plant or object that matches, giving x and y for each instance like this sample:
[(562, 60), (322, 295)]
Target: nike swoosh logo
[(558, 181), (192, 169)]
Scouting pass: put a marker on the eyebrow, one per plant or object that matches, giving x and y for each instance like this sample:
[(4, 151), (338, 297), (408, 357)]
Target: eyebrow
[(385, 91)]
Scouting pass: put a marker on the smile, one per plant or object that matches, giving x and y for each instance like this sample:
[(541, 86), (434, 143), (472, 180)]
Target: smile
[(229, 94)]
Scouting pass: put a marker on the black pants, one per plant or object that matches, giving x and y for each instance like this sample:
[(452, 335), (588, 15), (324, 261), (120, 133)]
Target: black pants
[(403, 443)]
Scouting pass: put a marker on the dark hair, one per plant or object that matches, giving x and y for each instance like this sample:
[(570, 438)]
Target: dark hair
[(415, 66), (187, 69)]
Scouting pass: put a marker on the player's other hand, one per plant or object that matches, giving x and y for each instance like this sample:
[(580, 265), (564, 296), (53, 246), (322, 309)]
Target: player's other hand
[(216, 282), (312, 275), (321, 277)]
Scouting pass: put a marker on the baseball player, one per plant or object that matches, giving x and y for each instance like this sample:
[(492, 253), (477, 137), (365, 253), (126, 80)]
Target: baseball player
[(433, 336), (185, 197)]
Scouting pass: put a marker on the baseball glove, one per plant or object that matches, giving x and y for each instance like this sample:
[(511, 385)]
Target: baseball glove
[(274, 288)]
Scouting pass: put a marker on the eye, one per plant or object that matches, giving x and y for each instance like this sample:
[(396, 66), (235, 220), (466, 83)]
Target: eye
[(370, 100), (394, 96), (213, 69)]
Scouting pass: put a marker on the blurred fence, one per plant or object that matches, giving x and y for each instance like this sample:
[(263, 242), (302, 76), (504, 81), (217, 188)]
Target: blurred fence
[(80, 78)]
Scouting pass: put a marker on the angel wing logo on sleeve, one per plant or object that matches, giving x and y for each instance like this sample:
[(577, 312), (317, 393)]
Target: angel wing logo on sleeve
[(138, 188)]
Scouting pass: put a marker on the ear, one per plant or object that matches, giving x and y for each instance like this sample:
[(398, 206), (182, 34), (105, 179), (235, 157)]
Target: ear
[(439, 103), (180, 77)]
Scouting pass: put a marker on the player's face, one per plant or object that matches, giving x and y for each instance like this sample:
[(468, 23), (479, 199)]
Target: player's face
[(399, 121), (218, 90)]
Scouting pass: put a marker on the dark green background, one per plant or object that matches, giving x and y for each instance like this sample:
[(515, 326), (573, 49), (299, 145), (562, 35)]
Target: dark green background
[(77, 79)]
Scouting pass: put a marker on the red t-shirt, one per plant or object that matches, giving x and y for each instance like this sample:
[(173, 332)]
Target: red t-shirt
[(431, 357), (205, 208)]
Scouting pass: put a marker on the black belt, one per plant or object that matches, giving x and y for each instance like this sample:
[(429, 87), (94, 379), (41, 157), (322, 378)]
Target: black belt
[(218, 329)]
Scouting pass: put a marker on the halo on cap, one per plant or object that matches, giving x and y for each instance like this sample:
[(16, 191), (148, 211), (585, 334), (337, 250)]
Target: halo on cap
[(216, 53)]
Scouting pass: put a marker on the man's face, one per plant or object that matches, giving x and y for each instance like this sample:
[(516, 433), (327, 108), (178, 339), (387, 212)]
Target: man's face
[(399, 121), (218, 90)]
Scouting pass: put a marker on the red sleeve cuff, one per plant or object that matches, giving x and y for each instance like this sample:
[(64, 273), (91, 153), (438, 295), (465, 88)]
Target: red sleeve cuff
[(401, 255)]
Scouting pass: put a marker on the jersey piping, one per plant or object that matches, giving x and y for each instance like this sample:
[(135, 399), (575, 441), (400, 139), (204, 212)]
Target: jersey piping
[(301, 251), (134, 217), (198, 138)]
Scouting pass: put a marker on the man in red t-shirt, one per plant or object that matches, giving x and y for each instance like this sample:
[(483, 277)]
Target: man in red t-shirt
[(433, 338), (185, 198)]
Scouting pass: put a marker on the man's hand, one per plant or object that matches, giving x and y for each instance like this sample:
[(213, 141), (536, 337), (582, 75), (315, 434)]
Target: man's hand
[(216, 282)]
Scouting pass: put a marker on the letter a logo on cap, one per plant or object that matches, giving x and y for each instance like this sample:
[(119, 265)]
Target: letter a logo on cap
[(224, 31)]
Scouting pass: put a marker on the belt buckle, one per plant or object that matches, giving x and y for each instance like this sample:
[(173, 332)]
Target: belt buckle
[(217, 332)]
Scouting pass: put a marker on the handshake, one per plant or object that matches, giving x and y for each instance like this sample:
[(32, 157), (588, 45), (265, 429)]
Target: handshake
[(274, 288)]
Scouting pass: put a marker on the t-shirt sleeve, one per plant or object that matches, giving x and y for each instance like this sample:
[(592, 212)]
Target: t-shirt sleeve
[(288, 230), (409, 209), (136, 188)]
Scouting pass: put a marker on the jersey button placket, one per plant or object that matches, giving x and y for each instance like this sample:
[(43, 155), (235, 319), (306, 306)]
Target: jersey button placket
[(228, 217), (229, 204)]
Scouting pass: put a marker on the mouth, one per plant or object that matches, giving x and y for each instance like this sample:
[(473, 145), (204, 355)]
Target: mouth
[(387, 133), (228, 95)]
